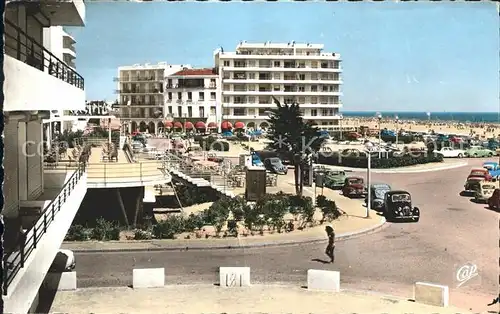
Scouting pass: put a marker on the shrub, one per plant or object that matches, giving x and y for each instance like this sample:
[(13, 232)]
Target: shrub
[(273, 208), (212, 143), (328, 208), (105, 230), (217, 214), (168, 228), (194, 222), (78, 233), (232, 228), (140, 234)]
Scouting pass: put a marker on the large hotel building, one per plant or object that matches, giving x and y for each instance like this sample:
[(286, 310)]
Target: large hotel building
[(241, 85)]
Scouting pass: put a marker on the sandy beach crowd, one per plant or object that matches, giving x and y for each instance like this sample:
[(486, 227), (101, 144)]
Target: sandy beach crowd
[(479, 130)]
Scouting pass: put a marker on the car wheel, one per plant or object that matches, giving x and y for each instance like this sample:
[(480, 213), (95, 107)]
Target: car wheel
[(416, 219), (490, 155), (460, 156), (475, 156)]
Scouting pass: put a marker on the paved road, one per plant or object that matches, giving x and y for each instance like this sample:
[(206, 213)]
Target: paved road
[(451, 232)]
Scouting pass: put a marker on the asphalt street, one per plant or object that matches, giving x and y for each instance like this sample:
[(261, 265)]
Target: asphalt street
[(452, 232)]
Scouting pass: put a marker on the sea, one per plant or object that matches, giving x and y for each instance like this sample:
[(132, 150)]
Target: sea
[(471, 117)]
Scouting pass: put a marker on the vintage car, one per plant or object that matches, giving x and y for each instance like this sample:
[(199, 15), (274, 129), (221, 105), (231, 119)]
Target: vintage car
[(214, 158), (485, 191), (478, 151), (398, 206), (354, 187), (472, 184), (377, 195), (449, 152), (480, 172), (491, 166), (334, 179), (494, 201), (275, 165)]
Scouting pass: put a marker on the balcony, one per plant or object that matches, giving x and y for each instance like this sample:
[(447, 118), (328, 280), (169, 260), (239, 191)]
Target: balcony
[(33, 248), (64, 13), (151, 78), (277, 93), (267, 104), (35, 79), (294, 81), (281, 56)]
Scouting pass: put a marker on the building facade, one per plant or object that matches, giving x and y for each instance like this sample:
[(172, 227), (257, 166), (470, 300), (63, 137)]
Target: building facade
[(141, 95), (191, 96), (39, 204), (290, 72)]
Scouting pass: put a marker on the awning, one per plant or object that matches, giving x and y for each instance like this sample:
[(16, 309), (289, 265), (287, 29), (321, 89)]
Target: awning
[(178, 125), (212, 125), (226, 125), (168, 124), (200, 125), (239, 125), (188, 125)]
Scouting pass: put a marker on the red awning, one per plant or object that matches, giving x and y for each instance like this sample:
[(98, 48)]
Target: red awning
[(168, 124), (212, 125), (188, 125), (200, 125), (226, 125), (239, 125), (178, 125)]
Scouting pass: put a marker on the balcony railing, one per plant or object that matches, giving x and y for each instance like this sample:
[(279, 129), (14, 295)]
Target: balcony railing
[(27, 50), (15, 260)]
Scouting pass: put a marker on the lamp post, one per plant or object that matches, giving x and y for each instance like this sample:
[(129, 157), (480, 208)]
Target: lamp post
[(397, 131), (368, 148), (379, 117)]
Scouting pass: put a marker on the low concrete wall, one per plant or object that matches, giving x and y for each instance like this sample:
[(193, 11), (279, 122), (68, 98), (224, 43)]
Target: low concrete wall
[(234, 276), (431, 294), (148, 278), (61, 281), (323, 280)]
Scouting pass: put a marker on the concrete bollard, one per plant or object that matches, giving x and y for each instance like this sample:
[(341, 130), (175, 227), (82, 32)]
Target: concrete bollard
[(234, 276), (148, 278), (61, 281), (323, 280), (431, 294)]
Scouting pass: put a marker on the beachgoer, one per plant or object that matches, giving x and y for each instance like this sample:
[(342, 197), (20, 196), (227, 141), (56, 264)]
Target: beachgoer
[(330, 248)]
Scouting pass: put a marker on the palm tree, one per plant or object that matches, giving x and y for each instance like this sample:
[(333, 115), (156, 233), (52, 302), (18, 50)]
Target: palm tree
[(293, 139)]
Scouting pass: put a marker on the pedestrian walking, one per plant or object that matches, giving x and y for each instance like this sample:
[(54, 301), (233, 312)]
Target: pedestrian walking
[(330, 248)]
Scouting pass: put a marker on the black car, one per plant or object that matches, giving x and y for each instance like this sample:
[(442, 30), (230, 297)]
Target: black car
[(377, 195), (398, 206), (275, 165)]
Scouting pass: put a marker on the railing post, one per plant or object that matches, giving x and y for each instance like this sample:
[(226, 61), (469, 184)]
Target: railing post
[(140, 170), (44, 223), (53, 210), (18, 52), (34, 239)]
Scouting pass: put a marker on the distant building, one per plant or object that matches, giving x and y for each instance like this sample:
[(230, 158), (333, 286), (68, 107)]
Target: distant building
[(141, 95), (291, 72), (191, 96)]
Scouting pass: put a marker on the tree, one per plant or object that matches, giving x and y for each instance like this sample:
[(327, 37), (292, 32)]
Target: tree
[(293, 139)]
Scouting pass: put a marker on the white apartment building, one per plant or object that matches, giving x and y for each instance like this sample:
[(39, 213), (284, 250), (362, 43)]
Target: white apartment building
[(191, 98), (141, 95), (291, 72), (39, 204)]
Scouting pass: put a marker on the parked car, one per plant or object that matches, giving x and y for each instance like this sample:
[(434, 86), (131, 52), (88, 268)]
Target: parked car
[(275, 165), (398, 206), (335, 179), (478, 151), (354, 187), (472, 185), (491, 166), (449, 152), (494, 201), (377, 195), (485, 191), (480, 172), (214, 158)]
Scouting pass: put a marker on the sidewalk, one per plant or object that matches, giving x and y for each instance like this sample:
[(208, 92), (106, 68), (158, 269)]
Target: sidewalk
[(212, 299), (411, 169)]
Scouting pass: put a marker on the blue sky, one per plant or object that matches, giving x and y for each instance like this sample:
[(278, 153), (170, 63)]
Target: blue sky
[(396, 56)]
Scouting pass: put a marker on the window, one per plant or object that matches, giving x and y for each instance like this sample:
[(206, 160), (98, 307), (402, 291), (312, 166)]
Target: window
[(190, 111), (212, 96), (179, 96), (169, 84), (170, 110), (276, 88), (201, 111), (251, 63), (227, 99), (251, 76), (302, 89), (302, 64), (251, 88), (251, 99), (302, 100), (226, 75), (314, 100), (201, 96), (169, 95), (212, 110), (314, 64), (314, 88), (239, 111), (302, 77), (179, 111), (277, 64), (190, 96), (227, 63), (314, 112), (277, 76), (314, 76), (226, 112)]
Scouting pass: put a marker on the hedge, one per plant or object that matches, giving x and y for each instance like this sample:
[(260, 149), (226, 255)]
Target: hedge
[(384, 163), (211, 143)]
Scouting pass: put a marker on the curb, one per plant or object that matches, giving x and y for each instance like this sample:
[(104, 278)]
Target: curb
[(340, 237), (396, 171)]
